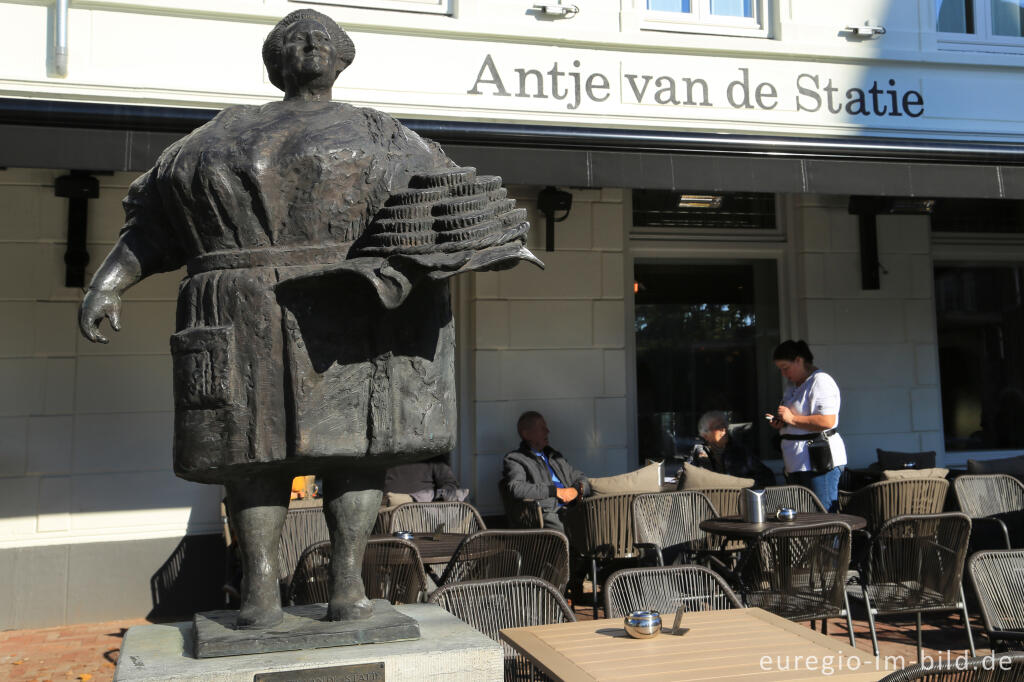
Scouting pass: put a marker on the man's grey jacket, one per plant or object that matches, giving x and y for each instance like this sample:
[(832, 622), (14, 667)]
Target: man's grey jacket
[(525, 476)]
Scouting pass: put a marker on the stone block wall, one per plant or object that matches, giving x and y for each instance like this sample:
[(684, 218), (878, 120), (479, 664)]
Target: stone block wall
[(553, 340), (881, 346)]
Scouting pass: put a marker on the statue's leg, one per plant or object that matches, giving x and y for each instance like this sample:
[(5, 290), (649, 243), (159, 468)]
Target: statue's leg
[(258, 505), (351, 511)]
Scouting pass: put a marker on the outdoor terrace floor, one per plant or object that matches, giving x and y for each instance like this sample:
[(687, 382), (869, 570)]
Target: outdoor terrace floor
[(89, 652)]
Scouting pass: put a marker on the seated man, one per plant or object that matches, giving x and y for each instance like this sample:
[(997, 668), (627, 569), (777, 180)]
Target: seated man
[(539, 472), (430, 481), (722, 448)]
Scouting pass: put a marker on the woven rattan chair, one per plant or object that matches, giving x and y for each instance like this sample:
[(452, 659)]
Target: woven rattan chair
[(669, 523), (304, 525), (799, 573), (427, 517), (989, 499), (665, 589), (998, 580), (885, 500), (1000, 668), (520, 513), (726, 501), (492, 605), (511, 553), (600, 531), (793, 496), (914, 565), (392, 570)]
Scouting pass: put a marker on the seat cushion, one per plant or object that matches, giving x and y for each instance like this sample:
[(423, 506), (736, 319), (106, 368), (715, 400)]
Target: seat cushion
[(1007, 465), (693, 477), (904, 474), (891, 459), (645, 480)]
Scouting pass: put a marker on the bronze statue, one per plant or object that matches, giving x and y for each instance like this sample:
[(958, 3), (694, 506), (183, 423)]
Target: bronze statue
[(314, 329)]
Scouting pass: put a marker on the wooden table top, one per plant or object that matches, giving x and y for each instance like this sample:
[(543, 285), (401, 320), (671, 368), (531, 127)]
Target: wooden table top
[(736, 644), (735, 527)]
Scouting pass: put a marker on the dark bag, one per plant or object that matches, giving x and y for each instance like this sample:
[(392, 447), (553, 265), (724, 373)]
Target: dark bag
[(819, 452)]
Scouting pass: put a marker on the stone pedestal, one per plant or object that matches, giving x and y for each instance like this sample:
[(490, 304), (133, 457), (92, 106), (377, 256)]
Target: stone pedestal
[(447, 649)]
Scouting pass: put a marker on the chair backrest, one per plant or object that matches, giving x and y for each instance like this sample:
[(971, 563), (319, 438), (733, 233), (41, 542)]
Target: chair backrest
[(511, 553), (981, 495), (665, 589), (1006, 667), (493, 605), (672, 519), (726, 501), (886, 500), (600, 526), (519, 513), (793, 496), (425, 517), (392, 570), (918, 560), (998, 580), (304, 525), (310, 583), (799, 572)]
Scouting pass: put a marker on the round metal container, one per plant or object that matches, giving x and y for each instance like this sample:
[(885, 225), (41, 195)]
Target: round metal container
[(785, 514), (642, 624), (404, 534)]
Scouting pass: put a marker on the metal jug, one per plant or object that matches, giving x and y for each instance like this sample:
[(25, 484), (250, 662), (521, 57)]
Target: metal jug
[(752, 505)]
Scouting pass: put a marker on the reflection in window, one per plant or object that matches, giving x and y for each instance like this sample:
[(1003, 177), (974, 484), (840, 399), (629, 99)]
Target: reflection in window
[(980, 319), (669, 5), (1006, 17), (704, 337), (954, 16), (732, 8)]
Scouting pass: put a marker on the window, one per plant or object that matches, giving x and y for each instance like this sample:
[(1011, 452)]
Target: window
[(704, 211), (734, 17), (425, 6), (991, 22), (705, 332), (980, 319), (978, 216)]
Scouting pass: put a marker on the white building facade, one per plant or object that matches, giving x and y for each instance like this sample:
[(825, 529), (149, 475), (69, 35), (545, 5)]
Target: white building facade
[(785, 135)]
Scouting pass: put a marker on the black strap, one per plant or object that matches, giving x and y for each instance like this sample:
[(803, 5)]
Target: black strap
[(808, 436)]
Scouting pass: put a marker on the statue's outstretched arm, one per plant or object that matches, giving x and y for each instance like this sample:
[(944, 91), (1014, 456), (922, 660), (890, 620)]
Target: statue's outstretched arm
[(125, 265)]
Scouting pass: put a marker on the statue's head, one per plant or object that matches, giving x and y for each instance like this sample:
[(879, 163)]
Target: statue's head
[(307, 47)]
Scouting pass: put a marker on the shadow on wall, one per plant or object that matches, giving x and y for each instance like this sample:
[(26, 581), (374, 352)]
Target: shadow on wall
[(190, 580)]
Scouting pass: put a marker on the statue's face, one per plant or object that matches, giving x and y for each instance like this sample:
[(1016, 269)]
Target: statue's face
[(308, 54)]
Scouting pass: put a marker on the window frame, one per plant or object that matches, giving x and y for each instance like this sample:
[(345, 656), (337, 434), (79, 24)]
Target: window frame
[(700, 20), (442, 7), (982, 40)]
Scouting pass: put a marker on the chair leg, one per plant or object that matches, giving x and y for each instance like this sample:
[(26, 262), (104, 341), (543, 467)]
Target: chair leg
[(849, 617), (919, 647), (871, 621), (967, 621), (593, 578), (824, 626)]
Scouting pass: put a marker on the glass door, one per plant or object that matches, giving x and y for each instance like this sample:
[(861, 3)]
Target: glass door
[(705, 332)]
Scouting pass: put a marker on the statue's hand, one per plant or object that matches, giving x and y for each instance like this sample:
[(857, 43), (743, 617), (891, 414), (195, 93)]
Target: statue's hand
[(95, 306)]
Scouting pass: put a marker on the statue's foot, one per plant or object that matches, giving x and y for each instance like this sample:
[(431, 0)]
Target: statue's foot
[(348, 601), (256, 618)]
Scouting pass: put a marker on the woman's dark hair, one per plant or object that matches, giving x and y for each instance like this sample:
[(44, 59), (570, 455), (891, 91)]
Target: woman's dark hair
[(791, 350), (272, 46)]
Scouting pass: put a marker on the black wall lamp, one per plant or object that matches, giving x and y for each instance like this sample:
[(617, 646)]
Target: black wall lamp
[(867, 210), (550, 200), (78, 188)]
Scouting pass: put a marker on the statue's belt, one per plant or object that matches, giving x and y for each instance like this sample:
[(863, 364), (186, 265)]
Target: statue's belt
[(276, 257)]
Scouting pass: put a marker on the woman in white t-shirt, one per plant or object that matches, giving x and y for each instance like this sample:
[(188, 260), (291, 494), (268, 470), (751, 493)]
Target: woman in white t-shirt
[(810, 406)]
